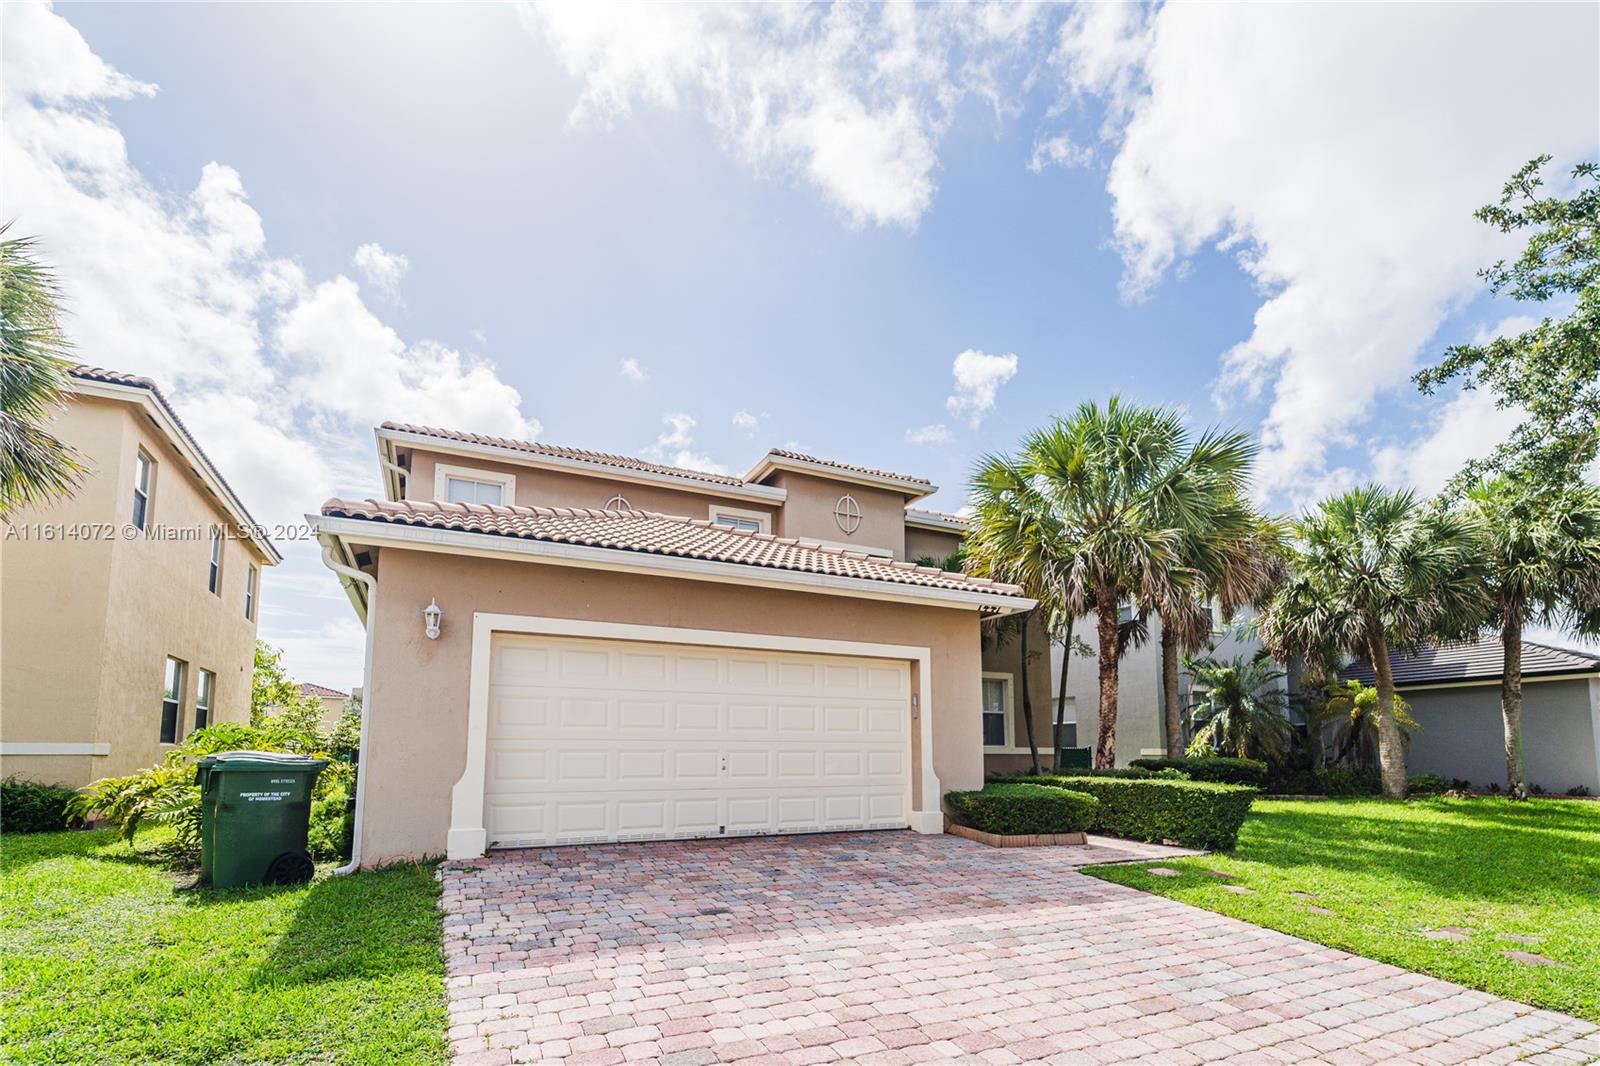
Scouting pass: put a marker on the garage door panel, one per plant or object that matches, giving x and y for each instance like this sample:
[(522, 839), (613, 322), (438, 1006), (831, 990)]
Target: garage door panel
[(593, 740)]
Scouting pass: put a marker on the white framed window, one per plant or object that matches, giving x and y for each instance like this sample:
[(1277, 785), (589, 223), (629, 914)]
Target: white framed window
[(202, 699), (172, 700), (144, 469), (250, 594), (1219, 625), (214, 570), (738, 518), (465, 484), (997, 710), (1067, 711)]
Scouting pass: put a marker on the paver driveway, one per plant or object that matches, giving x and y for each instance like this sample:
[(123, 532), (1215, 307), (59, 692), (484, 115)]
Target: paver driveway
[(892, 947)]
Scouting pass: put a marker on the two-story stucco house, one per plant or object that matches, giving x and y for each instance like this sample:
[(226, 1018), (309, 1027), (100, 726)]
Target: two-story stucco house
[(565, 646), (128, 611)]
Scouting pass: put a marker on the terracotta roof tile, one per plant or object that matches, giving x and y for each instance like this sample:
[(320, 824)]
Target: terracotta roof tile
[(308, 689), (1480, 661), (804, 458), (624, 462), (659, 534)]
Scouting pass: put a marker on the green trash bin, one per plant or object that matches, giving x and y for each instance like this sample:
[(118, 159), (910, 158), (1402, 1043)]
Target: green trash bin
[(254, 810), (1075, 759)]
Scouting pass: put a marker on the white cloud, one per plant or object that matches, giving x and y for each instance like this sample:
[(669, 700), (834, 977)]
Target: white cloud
[(674, 446), (853, 100), (1339, 151), (383, 269), (938, 433), (1467, 427), (280, 377), (744, 420), (633, 370), (1059, 150), (978, 376)]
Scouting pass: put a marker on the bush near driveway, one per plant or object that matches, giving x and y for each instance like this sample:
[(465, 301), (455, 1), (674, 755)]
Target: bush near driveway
[(34, 807), (1020, 810), (1197, 814), (102, 962), (1222, 769), (1483, 870)]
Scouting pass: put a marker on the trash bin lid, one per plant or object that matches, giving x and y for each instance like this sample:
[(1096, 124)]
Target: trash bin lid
[(261, 760)]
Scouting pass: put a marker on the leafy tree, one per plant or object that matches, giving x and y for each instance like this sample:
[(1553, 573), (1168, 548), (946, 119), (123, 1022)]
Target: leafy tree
[(1371, 571), (273, 693), (1551, 371), (35, 467), (1238, 706), (1089, 515), (1541, 550)]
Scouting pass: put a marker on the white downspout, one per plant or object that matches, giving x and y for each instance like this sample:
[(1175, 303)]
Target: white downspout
[(401, 473), (346, 575)]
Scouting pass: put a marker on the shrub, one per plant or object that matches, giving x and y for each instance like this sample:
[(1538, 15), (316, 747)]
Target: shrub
[(1221, 769), (1016, 809), (328, 836), (1426, 785), (35, 807), (1578, 790), (1199, 814), (1327, 781)]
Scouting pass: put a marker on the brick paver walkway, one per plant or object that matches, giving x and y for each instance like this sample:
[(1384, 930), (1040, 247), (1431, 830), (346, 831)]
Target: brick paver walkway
[(896, 948)]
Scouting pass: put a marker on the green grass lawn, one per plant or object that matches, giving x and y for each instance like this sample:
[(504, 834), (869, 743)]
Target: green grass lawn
[(1390, 871), (104, 963)]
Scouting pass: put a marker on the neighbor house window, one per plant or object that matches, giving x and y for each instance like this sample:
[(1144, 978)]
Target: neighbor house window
[(250, 594), (214, 572), (996, 711), (143, 471), (202, 699), (172, 701), (1067, 719), (735, 518)]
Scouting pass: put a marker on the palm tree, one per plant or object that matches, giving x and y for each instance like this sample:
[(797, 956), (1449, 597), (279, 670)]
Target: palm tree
[(1238, 706), (1542, 551), (1355, 707), (1090, 513), (1370, 571), (35, 467)]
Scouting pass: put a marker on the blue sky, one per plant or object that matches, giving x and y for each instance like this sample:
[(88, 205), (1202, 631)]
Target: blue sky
[(801, 214)]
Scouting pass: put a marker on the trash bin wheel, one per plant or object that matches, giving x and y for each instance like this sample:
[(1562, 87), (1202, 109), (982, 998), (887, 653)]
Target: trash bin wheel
[(290, 868)]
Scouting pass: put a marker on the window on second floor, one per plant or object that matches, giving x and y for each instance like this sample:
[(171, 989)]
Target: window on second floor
[(250, 594), (214, 570), (735, 518), (172, 700), (467, 484), (469, 490), (202, 699), (143, 475)]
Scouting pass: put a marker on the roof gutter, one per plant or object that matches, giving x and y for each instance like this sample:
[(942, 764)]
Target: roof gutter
[(347, 576)]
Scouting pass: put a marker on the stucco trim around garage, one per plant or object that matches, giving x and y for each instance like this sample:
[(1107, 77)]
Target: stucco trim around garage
[(454, 542), (468, 837)]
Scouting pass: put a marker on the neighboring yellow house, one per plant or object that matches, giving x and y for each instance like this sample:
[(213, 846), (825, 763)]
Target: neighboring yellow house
[(329, 701), (127, 612)]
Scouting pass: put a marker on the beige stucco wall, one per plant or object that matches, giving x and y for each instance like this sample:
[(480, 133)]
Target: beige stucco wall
[(808, 512), (418, 705), (86, 625), (930, 543), (553, 488)]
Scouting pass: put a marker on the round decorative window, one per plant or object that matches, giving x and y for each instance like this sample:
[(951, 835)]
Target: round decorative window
[(618, 503), (847, 512)]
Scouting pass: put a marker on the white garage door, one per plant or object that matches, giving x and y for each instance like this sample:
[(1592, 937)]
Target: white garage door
[(595, 740)]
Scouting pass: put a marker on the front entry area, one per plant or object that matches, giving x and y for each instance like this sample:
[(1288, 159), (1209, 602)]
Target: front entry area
[(599, 740)]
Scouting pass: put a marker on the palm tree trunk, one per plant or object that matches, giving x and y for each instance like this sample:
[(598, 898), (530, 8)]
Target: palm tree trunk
[(1169, 690), (1061, 694), (1511, 705), (1105, 748), (1027, 702), (1391, 750)]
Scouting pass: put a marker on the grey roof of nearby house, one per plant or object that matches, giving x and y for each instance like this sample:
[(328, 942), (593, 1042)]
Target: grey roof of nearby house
[(659, 534), (1482, 660)]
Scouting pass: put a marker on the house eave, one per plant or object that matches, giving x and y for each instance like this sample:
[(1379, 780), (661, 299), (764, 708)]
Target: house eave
[(770, 464)]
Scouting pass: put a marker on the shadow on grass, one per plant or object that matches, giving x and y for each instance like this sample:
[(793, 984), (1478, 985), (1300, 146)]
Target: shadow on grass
[(1461, 848)]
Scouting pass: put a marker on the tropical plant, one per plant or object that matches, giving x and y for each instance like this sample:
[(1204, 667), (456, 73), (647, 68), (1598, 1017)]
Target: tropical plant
[(1371, 571), (1238, 705), (273, 693), (1550, 372), (1351, 707), (1088, 515), (35, 467), (1541, 549)]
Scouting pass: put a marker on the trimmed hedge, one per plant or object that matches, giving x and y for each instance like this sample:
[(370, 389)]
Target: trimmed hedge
[(1019, 809), (34, 807), (1218, 768), (1326, 781), (1197, 814)]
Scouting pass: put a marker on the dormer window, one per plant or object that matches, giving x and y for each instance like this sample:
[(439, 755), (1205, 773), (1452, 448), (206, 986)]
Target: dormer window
[(737, 518), (460, 484)]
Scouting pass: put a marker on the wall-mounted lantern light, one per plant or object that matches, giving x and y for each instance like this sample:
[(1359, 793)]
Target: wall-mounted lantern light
[(430, 619)]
